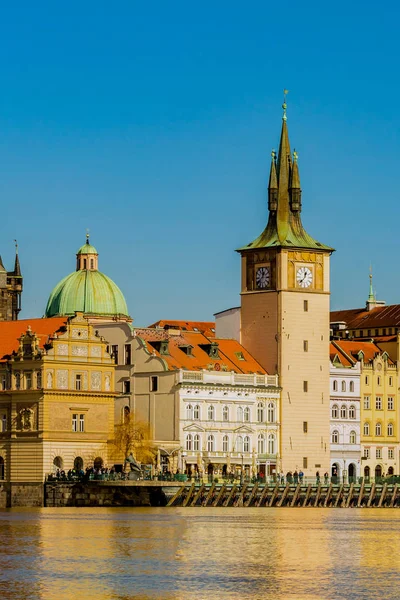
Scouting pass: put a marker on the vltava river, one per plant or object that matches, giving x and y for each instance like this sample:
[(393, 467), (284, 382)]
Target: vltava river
[(199, 553)]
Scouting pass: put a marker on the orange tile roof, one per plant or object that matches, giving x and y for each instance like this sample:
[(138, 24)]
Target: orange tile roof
[(336, 351), (10, 331), (206, 327), (359, 318), (199, 358), (352, 347)]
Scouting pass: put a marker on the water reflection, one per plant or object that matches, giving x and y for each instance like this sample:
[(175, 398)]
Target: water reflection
[(197, 553)]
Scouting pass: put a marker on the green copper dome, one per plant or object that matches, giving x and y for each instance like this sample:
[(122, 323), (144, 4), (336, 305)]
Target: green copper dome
[(87, 290), (90, 292)]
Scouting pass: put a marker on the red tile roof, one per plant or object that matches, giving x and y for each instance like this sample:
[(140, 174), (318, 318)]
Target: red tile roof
[(10, 331), (360, 318), (206, 327), (351, 348), (232, 356)]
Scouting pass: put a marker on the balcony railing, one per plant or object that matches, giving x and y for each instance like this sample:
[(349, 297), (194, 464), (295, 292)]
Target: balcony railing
[(228, 378)]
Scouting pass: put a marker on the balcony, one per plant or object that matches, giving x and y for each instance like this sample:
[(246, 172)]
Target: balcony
[(228, 378)]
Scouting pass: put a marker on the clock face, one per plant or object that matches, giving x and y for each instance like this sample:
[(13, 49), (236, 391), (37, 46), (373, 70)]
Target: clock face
[(304, 277), (263, 277)]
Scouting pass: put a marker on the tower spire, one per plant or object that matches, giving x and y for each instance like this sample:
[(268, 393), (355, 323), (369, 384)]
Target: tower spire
[(371, 296), (284, 169), (17, 266), (295, 190)]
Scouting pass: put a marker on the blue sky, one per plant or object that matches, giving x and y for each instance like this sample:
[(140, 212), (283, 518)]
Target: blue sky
[(152, 124)]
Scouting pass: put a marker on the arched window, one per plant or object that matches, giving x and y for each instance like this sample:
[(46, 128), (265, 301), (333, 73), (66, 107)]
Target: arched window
[(210, 443), (126, 413), (225, 413), (98, 462), (366, 428), (1, 468), (352, 386), (196, 442), (240, 414), (343, 386), (225, 443), (211, 413), (189, 441), (390, 430), (58, 463), (246, 414), (271, 416), (271, 444), (343, 412), (91, 263), (335, 411), (39, 379), (353, 437), (335, 388), (246, 444), (378, 429), (78, 463), (239, 444), (260, 412), (189, 412), (352, 412), (196, 412), (335, 437), (261, 444)]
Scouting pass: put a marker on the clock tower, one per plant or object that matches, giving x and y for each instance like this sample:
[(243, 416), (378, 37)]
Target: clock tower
[(285, 316)]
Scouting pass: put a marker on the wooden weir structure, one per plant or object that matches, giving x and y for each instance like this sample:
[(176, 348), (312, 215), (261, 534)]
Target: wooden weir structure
[(310, 495)]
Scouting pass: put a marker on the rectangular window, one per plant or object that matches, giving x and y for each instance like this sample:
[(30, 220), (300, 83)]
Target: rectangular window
[(379, 453), (361, 333), (367, 403), (4, 382), (376, 331), (390, 331), (390, 381), (78, 382), (127, 387), (366, 452), (305, 345), (153, 384), (390, 453), (114, 353), (128, 354), (366, 380), (390, 403), (81, 423), (74, 422), (369, 333), (305, 386), (383, 331), (305, 426), (378, 403), (28, 380), (3, 423), (305, 305), (305, 462)]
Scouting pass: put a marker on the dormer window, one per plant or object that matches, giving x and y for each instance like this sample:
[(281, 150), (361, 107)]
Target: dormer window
[(187, 350)]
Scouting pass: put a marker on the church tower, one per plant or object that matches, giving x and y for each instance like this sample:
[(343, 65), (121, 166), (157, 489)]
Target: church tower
[(10, 290), (285, 315)]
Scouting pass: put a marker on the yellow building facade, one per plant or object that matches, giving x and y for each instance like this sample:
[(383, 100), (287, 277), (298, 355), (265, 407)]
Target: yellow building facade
[(56, 398)]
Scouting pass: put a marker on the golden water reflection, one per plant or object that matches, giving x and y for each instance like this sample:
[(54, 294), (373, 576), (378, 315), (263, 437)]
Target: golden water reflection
[(197, 553)]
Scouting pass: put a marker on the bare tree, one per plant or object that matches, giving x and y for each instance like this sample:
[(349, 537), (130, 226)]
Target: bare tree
[(132, 438)]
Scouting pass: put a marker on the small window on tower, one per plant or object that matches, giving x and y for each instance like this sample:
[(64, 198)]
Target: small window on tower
[(305, 305), (305, 462), (84, 263), (305, 345), (305, 386), (305, 426), (91, 263)]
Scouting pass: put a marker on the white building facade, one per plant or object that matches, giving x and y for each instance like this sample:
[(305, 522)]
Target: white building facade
[(345, 420), (229, 423)]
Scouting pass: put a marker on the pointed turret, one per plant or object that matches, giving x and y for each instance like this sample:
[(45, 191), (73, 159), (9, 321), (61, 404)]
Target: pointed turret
[(284, 170), (295, 190), (273, 185), (2, 267)]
